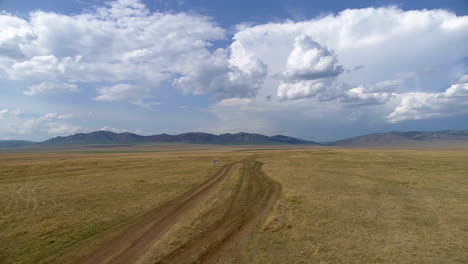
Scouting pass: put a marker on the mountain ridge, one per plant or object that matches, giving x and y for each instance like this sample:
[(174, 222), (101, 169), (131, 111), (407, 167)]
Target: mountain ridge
[(386, 139), (15, 143), (397, 138), (242, 138)]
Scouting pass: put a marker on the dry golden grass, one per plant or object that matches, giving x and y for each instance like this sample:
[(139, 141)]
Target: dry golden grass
[(196, 221), (337, 206), (56, 206), (366, 206)]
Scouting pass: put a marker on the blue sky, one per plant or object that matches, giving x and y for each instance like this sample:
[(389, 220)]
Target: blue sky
[(319, 70)]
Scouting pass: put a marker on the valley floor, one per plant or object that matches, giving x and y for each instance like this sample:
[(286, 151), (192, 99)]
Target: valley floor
[(264, 206)]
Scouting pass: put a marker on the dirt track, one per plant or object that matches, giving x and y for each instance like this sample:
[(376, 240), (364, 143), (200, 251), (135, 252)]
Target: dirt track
[(221, 242)]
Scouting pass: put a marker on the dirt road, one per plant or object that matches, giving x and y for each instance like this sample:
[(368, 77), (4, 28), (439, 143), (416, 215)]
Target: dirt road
[(221, 242)]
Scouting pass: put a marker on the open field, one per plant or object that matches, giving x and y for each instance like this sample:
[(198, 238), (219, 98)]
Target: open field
[(54, 203), (335, 205), (366, 206)]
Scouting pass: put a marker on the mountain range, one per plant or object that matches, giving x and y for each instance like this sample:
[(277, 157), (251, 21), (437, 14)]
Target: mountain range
[(397, 139), (411, 138), (106, 137)]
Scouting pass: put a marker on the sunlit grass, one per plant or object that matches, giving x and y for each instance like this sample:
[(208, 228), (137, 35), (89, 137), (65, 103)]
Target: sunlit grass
[(366, 206), (336, 206)]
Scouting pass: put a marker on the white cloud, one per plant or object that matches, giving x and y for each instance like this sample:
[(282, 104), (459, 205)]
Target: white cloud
[(120, 92), (112, 129), (51, 123), (4, 113), (62, 129), (43, 88), (137, 55), (14, 34), (214, 73), (309, 61), (120, 130), (389, 62), (383, 43), (122, 42), (459, 90), (37, 67), (415, 106), (125, 92), (464, 79), (362, 95), (301, 89), (310, 70), (402, 59)]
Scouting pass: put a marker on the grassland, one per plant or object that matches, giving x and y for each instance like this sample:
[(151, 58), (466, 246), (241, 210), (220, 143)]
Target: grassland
[(336, 206), (55, 204), (366, 206)]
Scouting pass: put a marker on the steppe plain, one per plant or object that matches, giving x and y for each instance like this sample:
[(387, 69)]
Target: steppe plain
[(169, 204)]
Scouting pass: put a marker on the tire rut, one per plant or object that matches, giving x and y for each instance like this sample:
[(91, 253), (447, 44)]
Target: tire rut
[(131, 243), (222, 242)]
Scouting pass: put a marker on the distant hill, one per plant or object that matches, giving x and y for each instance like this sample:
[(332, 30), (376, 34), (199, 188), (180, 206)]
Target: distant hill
[(14, 143), (412, 138), (98, 137), (106, 137), (447, 138)]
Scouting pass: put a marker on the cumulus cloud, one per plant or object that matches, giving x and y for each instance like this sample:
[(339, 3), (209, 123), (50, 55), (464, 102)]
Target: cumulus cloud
[(44, 87), (310, 70), (23, 124), (309, 61), (125, 92), (372, 37), (301, 89), (123, 42), (384, 59), (311, 56), (14, 31), (51, 123), (363, 95), (120, 92), (415, 106), (390, 81), (214, 73), (55, 128)]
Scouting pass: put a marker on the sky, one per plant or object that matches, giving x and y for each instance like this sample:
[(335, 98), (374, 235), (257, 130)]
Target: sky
[(318, 70)]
